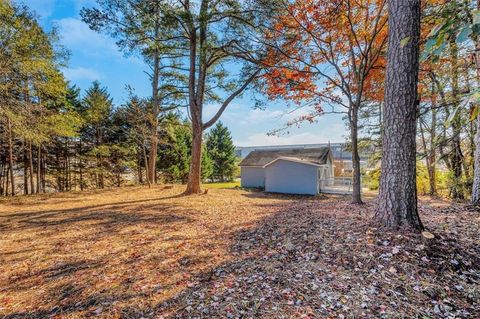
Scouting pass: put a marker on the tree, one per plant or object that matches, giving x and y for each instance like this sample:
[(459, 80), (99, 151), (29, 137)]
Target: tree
[(31, 91), (209, 34), (397, 201), (329, 55), (458, 24), (175, 150), (221, 151), (97, 112), (142, 27)]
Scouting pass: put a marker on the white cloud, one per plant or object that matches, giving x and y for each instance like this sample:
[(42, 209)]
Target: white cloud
[(246, 116), (319, 133), (261, 139), (77, 36), (81, 73)]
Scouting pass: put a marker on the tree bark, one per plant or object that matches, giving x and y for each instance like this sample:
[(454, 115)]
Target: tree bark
[(39, 167), (25, 168), (397, 201), (146, 166), (456, 152), (194, 176), (357, 182), (10, 156), (152, 160), (30, 166), (476, 165)]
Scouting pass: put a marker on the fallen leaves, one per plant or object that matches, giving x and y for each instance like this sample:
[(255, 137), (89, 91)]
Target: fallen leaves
[(143, 253), (428, 235)]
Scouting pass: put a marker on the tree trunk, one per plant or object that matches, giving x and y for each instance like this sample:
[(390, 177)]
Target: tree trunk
[(152, 163), (397, 200), (152, 160), (44, 172), (194, 176), (30, 166), (10, 157), (476, 165), (139, 167), (146, 167), (25, 169), (357, 182), (39, 167), (432, 158), (80, 163), (456, 153)]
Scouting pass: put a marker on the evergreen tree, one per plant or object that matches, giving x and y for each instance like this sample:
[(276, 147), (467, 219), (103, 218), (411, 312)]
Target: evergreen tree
[(175, 150), (97, 113), (221, 151)]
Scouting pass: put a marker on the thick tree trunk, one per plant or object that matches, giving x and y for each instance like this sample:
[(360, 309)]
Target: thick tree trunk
[(194, 177), (476, 165), (397, 200), (152, 160), (357, 182)]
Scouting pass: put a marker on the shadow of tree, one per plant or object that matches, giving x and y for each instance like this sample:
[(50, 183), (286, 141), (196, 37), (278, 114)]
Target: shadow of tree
[(306, 256)]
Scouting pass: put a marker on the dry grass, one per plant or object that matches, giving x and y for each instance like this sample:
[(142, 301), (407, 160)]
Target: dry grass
[(125, 248), (150, 253)]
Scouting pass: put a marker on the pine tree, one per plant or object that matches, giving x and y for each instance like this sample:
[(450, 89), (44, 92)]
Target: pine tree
[(397, 200), (97, 112), (221, 150)]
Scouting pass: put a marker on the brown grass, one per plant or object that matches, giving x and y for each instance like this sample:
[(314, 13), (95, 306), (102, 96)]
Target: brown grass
[(130, 247), (151, 253)]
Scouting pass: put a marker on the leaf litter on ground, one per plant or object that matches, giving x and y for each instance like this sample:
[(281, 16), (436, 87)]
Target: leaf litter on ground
[(139, 253)]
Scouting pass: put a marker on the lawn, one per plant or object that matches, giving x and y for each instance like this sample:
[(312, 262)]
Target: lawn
[(225, 185), (151, 253)]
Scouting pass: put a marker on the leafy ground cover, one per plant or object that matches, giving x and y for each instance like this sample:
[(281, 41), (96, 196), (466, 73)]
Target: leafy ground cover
[(150, 253)]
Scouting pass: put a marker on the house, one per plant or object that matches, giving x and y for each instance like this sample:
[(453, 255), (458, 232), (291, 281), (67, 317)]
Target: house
[(290, 171), (342, 157)]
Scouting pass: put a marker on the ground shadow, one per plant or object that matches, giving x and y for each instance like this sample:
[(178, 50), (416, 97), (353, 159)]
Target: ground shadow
[(309, 257)]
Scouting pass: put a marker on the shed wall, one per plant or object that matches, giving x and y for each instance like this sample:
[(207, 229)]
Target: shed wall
[(252, 177), (291, 178)]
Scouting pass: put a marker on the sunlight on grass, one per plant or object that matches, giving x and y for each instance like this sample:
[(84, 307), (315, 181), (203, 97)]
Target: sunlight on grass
[(222, 185)]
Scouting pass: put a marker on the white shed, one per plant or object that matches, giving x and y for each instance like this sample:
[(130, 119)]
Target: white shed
[(298, 171)]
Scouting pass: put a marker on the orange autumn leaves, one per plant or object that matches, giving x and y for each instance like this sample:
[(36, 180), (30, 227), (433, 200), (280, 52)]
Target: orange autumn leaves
[(322, 50)]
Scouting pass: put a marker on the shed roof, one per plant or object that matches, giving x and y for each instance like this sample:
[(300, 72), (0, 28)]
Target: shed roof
[(317, 156)]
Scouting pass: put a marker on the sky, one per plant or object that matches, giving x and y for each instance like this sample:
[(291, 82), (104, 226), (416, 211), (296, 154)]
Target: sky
[(95, 56)]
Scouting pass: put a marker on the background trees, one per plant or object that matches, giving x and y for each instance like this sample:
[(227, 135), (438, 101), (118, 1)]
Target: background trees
[(142, 27), (221, 151), (32, 91), (329, 56)]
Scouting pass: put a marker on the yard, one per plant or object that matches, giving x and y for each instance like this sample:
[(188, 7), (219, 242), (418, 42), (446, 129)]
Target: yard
[(150, 253)]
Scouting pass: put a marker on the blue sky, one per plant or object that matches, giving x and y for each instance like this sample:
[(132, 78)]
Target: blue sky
[(96, 57)]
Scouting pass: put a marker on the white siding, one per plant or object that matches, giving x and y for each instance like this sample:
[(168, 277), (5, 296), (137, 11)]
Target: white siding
[(291, 178), (252, 177)]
